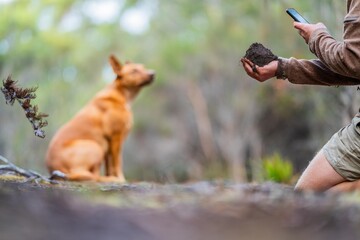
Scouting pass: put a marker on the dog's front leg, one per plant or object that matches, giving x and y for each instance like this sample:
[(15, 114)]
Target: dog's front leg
[(108, 164), (115, 166)]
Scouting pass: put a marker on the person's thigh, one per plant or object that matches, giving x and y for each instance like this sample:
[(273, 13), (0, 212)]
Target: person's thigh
[(319, 175)]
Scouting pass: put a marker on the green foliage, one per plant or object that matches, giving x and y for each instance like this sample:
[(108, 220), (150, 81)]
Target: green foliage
[(277, 169)]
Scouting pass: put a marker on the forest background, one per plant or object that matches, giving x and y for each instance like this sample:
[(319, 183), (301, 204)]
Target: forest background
[(203, 117)]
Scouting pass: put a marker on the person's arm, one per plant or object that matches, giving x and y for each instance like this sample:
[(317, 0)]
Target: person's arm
[(313, 72), (338, 64), (342, 57)]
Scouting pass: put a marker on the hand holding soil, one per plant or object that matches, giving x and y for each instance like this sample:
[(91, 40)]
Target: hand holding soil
[(259, 62)]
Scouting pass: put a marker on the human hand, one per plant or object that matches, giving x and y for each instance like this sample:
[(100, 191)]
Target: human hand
[(305, 29), (260, 73)]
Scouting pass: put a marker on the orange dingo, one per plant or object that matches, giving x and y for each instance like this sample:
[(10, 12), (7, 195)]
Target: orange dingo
[(96, 134)]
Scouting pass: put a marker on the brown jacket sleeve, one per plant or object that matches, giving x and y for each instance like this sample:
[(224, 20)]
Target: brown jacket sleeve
[(313, 72), (339, 62)]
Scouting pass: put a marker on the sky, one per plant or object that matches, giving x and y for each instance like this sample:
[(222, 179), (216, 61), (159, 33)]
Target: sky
[(135, 20)]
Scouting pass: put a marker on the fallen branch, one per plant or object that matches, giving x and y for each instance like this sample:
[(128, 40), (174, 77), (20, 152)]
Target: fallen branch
[(30, 175)]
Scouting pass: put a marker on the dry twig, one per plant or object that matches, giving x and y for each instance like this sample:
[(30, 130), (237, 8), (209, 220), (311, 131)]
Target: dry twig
[(30, 175), (24, 96)]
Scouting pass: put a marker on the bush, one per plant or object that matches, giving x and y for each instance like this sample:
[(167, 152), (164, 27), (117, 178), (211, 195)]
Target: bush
[(277, 169)]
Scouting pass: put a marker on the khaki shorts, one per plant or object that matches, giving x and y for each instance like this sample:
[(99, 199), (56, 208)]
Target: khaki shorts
[(343, 150)]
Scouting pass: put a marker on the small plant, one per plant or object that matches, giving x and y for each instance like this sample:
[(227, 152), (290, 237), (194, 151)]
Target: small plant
[(24, 96), (277, 169)]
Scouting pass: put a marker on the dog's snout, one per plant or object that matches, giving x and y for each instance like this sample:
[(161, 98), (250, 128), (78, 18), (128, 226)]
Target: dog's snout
[(151, 73)]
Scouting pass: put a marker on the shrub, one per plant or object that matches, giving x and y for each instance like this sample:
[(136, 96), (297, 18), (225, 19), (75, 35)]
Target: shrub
[(277, 169)]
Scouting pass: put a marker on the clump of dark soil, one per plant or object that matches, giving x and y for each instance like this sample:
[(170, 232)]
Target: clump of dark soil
[(260, 55)]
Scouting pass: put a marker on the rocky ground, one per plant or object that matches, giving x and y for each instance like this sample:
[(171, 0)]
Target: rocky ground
[(201, 210)]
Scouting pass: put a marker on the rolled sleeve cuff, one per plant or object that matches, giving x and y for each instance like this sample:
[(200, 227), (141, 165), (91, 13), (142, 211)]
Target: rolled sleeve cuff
[(281, 72)]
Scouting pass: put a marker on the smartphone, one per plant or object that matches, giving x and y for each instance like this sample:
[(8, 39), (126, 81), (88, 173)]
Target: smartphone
[(296, 16)]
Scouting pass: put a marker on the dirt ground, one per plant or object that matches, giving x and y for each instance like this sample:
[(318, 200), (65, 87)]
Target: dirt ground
[(201, 210)]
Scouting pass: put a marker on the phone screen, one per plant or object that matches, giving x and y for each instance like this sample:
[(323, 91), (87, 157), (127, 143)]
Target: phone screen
[(296, 16)]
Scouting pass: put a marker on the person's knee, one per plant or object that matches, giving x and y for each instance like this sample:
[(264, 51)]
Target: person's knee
[(302, 184), (298, 187)]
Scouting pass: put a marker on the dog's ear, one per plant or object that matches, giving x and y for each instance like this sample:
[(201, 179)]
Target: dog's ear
[(115, 64)]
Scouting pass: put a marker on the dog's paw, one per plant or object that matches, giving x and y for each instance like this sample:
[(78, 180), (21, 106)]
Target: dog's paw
[(55, 175)]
